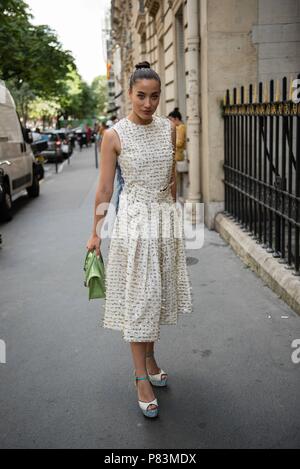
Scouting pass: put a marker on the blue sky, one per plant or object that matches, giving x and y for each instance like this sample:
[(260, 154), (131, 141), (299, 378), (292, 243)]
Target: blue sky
[(78, 24)]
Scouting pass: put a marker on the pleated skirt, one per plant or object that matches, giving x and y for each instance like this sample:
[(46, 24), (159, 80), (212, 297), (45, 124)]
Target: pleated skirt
[(147, 279)]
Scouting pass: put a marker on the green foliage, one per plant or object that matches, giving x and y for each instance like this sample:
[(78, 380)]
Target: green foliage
[(99, 88), (41, 76), (30, 54), (78, 100)]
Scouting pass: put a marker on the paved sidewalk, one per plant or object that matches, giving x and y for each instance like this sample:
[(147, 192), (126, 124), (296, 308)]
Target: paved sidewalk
[(68, 382)]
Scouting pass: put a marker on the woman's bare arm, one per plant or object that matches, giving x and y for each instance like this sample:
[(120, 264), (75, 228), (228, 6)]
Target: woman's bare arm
[(105, 185)]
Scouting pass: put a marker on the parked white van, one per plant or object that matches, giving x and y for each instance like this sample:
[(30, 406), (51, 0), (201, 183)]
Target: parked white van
[(18, 170)]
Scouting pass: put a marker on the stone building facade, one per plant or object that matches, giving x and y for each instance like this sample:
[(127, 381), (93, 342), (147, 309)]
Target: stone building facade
[(200, 48)]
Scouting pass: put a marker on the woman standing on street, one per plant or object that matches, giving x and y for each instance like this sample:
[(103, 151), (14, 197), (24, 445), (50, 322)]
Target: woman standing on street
[(147, 282)]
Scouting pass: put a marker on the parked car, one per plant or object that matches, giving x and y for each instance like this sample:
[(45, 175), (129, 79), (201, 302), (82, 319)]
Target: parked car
[(67, 148), (18, 167), (58, 146), (53, 152), (39, 142)]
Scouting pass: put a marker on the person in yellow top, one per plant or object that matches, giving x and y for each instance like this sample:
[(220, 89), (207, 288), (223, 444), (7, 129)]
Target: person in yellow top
[(175, 116)]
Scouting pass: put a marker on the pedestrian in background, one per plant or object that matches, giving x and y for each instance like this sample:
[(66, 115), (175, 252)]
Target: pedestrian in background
[(175, 116), (88, 134), (114, 119), (102, 128)]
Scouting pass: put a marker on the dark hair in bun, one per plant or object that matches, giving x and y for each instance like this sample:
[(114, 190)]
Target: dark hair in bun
[(142, 65), (176, 113), (143, 70)]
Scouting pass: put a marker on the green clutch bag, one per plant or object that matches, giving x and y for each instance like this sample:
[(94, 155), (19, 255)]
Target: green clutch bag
[(94, 275)]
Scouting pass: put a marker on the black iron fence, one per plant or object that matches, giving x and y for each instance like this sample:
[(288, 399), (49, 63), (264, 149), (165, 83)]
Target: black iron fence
[(262, 165)]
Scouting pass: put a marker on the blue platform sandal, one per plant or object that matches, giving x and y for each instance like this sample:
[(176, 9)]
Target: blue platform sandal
[(144, 405), (161, 378)]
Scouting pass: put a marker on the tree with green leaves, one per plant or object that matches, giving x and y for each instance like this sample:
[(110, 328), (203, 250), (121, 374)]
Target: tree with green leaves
[(41, 76), (28, 53), (32, 60), (99, 88)]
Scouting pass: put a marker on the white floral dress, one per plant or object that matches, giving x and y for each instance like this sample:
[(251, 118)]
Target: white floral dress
[(147, 281)]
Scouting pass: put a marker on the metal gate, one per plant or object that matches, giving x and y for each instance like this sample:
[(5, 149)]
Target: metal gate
[(262, 166)]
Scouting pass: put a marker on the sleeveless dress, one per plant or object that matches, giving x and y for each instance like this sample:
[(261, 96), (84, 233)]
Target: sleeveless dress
[(147, 281)]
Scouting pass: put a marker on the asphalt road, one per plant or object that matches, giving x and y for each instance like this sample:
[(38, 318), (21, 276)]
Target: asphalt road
[(67, 382)]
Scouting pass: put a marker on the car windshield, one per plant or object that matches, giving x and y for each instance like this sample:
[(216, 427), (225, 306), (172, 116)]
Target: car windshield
[(52, 137)]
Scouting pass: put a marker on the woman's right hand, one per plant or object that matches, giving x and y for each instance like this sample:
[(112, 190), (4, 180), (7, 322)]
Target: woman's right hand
[(94, 243)]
